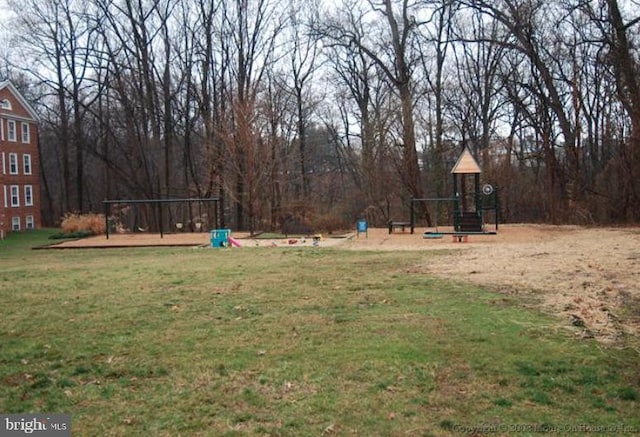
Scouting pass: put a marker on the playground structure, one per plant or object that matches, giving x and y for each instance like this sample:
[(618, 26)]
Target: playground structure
[(469, 207), (223, 238), (161, 215)]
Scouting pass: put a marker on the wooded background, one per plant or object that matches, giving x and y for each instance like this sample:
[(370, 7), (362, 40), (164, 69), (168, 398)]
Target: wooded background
[(328, 112)]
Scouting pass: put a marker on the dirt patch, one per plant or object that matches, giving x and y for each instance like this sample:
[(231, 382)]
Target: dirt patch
[(135, 240), (589, 276), (190, 239)]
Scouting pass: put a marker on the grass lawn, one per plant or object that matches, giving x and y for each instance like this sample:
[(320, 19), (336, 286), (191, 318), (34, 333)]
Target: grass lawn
[(293, 341)]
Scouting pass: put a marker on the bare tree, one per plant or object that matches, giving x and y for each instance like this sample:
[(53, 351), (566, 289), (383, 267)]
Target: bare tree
[(279, 134), (363, 148), (478, 63), (303, 63), (392, 50), (58, 36), (252, 30), (531, 26), (437, 43), (617, 36)]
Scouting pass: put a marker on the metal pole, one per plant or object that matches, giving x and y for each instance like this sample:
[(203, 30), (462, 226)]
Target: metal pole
[(456, 204), (496, 205), (216, 214), (411, 214), (106, 217), (477, 195), (160, 218)]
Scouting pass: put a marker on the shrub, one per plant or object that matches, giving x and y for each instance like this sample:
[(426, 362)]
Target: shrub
[(71, 235), (328, 223), (93, 223)]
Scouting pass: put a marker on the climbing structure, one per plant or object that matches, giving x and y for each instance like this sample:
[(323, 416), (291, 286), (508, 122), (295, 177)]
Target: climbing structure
[(468, 209), (470, 202)]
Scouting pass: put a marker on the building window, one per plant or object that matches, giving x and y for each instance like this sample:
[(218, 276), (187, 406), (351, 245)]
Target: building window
[(15, 223), (15, 195), (28, 195), (30, 222), (26, 137), (11, 128), (5, 104), (13, 163), (26, 163)]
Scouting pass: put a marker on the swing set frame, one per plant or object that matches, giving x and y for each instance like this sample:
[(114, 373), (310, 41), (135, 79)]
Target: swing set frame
[(159, 203)]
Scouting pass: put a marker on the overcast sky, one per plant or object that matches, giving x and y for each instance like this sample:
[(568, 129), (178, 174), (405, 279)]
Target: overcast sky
[(4, 12)]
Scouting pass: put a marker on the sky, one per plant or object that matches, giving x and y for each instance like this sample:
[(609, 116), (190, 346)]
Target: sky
[(4, 15), (3, 9)]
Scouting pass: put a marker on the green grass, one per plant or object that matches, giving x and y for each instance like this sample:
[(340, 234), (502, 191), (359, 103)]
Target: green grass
[(180, 341)]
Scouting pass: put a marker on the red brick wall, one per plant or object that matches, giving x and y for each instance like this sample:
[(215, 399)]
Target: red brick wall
[(19, 114)]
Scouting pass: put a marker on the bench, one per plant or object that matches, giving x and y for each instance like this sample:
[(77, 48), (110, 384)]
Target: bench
[(395, 225)]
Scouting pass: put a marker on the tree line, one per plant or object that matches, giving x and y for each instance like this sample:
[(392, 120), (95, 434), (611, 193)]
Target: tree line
[(329, 112)]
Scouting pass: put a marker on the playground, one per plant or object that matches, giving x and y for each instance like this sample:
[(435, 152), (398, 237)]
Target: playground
[(588, 276)]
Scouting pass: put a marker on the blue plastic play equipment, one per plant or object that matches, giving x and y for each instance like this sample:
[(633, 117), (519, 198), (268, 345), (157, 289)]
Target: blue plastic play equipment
[(220, 237)]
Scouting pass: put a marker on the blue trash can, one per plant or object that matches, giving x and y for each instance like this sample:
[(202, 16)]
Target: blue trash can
[(362, 227), (220, 237)]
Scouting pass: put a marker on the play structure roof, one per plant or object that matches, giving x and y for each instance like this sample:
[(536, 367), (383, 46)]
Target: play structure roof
[(466, 164)]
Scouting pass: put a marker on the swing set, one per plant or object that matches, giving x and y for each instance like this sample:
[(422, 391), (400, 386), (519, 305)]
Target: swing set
[(161, 215)]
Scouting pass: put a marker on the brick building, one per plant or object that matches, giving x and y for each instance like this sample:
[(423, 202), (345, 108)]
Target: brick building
[(19, 163)]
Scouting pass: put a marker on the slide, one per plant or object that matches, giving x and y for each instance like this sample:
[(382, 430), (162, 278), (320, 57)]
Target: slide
[(234, 242)]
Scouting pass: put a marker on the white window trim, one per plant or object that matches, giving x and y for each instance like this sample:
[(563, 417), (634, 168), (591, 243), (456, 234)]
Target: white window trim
[(13, 159), (26, 140), (5, 104), (14, 221), (15, 131), (27, 157), (16, 189), (1, 129), (6, 198), (28, 200), (30, 222), (4, 164)]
